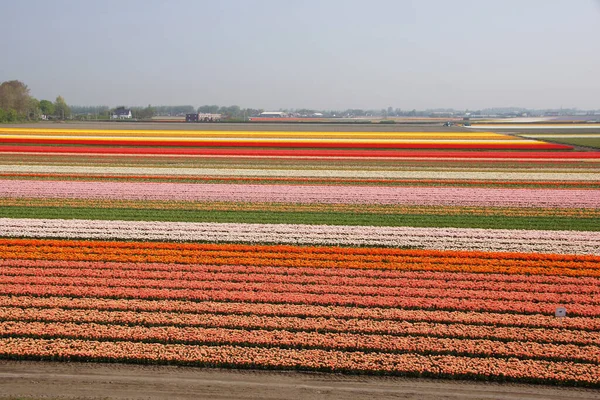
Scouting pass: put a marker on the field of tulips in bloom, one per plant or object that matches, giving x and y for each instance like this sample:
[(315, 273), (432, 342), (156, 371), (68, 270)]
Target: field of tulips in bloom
[(422, 254)]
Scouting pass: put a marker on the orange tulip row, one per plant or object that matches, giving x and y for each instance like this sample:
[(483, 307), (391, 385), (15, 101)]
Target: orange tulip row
[(302, 324), (303, 340), (296, 256), (514, 369), (304, 311)]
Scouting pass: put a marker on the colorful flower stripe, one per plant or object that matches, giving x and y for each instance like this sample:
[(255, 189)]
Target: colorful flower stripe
[(298, 152), (455, 196), (587, 213), (304, 324), (308, 144), (291, 256), (461, 281), (51, 132), (579, 181), (499, 240), (386, 296), (303, 340), (588, 325), (259, 273), (200, 174), (428, 303), (416, 164), (319, 360)]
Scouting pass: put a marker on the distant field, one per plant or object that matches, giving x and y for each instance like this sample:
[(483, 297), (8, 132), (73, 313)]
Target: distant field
[(586, 140)]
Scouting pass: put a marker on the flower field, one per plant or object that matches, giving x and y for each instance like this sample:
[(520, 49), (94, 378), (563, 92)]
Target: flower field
[(425, 254)]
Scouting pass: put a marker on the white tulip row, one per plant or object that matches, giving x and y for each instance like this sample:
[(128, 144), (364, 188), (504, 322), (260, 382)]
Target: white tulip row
[(304, 173), (503, 240)]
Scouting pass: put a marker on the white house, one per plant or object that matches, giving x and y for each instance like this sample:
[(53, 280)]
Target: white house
[(122, 113), (273, 114)]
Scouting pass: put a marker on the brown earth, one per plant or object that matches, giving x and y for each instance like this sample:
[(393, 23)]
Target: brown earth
[(48, 380)]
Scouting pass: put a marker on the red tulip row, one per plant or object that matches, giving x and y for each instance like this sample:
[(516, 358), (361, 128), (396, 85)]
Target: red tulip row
[(317, 340), (262, 296), (306, 359), (288, 144), (306, 311), (460, 281), (303, 324), (386, 294), (295, 153)]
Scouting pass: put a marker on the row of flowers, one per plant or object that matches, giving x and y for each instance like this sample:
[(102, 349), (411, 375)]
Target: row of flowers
[(302, 324), (410, 302), (304, 311), (301, 153), (297, 143), (588, 268), (316, 340), (587, 213), (415, 195), (586, 286), (385, 295), (281, 252), (307, 359), (259, 273), (345, 175), (499, 240), (148, 133)]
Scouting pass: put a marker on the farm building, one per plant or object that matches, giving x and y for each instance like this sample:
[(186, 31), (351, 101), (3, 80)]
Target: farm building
[(121, 113), (273, 114), (202, 117)]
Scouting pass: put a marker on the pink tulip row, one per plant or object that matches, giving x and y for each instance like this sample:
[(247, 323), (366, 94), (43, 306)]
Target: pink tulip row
[(305, 311), (424, 302), (577, 198), (306, 359), (205, 288), (528, 241), (287, 339), (304, 324), (460, 280), (385, 277)]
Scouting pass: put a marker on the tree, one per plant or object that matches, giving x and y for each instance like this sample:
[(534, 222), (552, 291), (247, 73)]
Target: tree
[(33, 111), (47, 107), (62, 110), (14, 95)]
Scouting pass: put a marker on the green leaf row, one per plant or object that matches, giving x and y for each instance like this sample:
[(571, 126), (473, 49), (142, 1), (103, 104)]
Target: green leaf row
[(316, 218)]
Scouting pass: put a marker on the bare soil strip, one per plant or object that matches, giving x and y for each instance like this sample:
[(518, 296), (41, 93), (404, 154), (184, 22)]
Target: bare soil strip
[(33, 380)]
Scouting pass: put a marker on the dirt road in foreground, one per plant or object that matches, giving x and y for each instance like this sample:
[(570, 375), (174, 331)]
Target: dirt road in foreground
[(117, 381)]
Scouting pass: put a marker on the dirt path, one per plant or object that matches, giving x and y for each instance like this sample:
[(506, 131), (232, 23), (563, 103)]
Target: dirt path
[(118, 381)]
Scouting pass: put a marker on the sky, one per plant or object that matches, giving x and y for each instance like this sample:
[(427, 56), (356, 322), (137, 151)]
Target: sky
[(327, 54)]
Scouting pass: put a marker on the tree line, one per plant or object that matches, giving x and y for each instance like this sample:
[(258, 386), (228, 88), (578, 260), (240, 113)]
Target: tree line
[(17, 105)]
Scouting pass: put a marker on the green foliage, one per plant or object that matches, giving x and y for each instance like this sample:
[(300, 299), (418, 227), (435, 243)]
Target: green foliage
[(47, 107), (143, 113), (318, 218), (15, 102), (62, 110)]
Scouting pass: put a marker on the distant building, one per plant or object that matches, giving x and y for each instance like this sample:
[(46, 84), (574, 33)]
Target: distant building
[(122, 113), (202, 117), (273, 114)]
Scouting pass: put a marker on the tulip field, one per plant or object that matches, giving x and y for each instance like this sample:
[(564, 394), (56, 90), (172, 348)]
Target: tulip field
[(421, 254)]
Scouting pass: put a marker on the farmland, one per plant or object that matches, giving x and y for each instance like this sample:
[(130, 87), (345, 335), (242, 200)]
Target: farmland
[(406, 252)]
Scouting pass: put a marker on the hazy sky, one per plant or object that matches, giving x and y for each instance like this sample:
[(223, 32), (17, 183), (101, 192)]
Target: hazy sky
[(326, 54)]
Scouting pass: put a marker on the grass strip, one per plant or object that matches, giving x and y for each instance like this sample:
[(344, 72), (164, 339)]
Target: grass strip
[(313, 218)]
